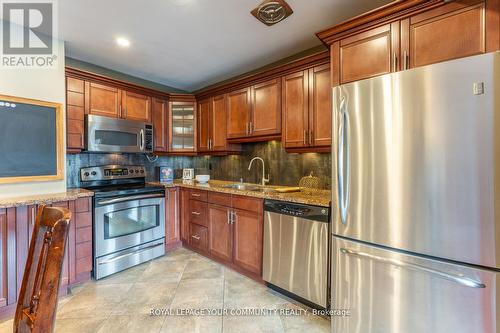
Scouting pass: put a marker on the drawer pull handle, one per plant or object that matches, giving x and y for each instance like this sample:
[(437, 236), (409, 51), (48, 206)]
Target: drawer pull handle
[(196, 237), (196, 213), (195, 194)]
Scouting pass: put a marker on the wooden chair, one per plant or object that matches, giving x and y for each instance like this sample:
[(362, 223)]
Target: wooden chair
[(37, 302)]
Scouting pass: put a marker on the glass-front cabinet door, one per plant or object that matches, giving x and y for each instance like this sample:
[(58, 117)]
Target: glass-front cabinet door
[(182, 126)]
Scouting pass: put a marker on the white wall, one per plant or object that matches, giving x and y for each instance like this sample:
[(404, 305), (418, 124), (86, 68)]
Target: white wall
[(42, 84)]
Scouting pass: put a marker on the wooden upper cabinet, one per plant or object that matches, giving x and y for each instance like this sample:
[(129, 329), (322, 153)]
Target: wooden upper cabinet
[(320, 106), (408, 34), (221, 233), (204, 125), (103, 100), (160, 123), (75, 103), (266, 108), (218, 125), (238, 113), (368, 54), (295, 97), (136, 106), (452, 31)]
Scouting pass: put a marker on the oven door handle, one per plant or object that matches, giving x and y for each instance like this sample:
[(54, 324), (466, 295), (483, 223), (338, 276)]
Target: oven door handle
[(132, 197), (129, 253)]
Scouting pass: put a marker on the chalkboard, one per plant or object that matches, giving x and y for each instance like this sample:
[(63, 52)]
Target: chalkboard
[(29, 135)]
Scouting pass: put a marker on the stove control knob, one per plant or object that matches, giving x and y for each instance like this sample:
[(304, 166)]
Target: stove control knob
[(142, 171), (86, 174), (93, 173), (131, 171), (136, 170)]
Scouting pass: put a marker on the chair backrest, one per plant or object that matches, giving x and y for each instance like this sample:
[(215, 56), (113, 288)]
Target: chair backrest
[(37, 301)]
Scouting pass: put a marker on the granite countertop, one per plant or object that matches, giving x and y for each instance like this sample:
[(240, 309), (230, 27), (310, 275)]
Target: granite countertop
[(322, 198), (70, 194)]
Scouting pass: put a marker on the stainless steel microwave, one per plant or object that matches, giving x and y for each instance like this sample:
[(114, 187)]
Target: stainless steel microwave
[(113, 135)]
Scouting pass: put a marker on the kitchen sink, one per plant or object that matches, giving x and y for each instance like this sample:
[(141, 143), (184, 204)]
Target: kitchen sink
[(250, 187)]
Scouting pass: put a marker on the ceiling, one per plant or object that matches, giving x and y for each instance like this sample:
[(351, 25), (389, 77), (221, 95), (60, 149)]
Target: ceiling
[(189, 44)]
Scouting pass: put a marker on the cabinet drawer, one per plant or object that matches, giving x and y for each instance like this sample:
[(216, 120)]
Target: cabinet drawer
[(83, 220), (198, 237), (198, 195), (84, 234), (198, 212), (219, 199), (83, 250), (83, 265), (250, 204), (82, 205)]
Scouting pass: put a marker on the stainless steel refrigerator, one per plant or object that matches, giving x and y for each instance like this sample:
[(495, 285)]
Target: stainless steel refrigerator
[(416, 201)]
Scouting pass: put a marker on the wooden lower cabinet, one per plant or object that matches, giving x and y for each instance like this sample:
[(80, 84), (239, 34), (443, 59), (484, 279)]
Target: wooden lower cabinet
[(16, 228), (248, 229), (229, 232), (172, 227), (221, 232)]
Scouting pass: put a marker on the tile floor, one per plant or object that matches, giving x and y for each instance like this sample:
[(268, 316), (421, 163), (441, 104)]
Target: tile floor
[(180, 280)]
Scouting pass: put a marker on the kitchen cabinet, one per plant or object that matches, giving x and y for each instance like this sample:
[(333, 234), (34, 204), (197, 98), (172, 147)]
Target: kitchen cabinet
[(266, 109), (212, 127), (136, 106), (204, 111), (238, 113), (370, 53), (221, 232), (103, 100), (452, 31), (182, 127), (16, 229), (404, 35), (307, 110), (320, 106), (248, 229), (172, 227), (110, 101), (254, 113), (75, 97), (227, 228), (160, 124), (184, 195)]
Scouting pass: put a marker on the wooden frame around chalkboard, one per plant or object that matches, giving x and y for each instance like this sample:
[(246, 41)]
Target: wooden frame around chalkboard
[(59, 141)]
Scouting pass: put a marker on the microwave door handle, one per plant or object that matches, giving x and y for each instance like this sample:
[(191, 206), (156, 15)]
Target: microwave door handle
[(141, 145)]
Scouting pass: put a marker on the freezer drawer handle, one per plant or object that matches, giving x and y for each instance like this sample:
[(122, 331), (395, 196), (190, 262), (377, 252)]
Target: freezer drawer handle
[(398, 263)]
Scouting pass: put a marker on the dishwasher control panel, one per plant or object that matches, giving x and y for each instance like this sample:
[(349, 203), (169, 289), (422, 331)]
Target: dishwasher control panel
[(298, 210)]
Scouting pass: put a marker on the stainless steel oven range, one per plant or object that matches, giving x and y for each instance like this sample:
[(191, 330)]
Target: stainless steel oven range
[(129, 217)]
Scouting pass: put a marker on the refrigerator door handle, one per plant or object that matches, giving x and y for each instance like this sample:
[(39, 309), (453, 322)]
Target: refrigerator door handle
[(460, 279), (343, 162)]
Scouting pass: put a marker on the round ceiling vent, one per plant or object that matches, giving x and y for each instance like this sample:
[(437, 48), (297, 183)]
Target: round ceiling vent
[(272, 11)]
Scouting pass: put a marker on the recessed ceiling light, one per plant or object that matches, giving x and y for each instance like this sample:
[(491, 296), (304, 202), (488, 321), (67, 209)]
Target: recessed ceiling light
[(123, 42)]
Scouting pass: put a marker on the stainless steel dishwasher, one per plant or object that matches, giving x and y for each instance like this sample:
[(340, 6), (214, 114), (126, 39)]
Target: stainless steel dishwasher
[(296, 251)]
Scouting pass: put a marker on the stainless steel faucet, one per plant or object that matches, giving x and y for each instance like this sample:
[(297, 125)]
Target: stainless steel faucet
[(264, 179)]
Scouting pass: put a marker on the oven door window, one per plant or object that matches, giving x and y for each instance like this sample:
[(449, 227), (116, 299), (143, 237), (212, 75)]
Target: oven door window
[(130, 221), (115, 138)]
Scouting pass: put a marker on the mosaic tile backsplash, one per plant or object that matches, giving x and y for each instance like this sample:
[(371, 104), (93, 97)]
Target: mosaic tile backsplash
[(284, 168)]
